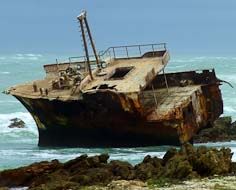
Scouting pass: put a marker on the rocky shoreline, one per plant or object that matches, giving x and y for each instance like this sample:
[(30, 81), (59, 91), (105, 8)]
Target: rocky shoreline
[(186, 168), (97, 172), (223, 130)]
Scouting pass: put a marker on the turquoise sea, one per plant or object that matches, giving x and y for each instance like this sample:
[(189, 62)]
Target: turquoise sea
[(18, 147)]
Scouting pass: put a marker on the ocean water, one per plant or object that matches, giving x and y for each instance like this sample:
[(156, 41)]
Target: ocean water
[(18, 147)]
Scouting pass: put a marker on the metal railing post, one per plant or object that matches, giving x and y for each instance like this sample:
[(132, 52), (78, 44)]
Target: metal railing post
[(127, 51), (69, 61), (109, 54), (153, 50), (140, 50), (167, 87), (114, 52)]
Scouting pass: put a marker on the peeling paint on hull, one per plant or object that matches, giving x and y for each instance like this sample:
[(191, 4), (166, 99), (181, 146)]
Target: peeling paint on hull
[(71, 124), (109, 119)]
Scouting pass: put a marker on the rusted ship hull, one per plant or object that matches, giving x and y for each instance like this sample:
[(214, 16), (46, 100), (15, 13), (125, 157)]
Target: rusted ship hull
[(75, 124), (103, 119)]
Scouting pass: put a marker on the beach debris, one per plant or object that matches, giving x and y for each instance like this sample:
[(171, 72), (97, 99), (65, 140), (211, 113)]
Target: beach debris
[(17, 123)]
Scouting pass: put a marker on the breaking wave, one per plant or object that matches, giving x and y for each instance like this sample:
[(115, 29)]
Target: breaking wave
[(201, 59), (20, 57), (4, 72), (30, 127)]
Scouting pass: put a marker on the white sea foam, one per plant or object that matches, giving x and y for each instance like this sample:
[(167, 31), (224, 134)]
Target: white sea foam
[(28, 56), (183, 60), (8, 101), (202, 59), (228, 77), (4, 72), (33, 55), (230, 109), (26, 117), (135, 158)]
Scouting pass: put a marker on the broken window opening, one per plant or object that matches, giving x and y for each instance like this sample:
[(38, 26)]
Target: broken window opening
[(120, 73)]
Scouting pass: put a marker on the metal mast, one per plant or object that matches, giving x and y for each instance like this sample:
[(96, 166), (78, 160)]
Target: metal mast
[(81, 19), (85, 28), (91, 41)]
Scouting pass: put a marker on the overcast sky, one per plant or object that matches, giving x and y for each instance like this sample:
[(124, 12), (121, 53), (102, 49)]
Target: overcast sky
[(50, 26)]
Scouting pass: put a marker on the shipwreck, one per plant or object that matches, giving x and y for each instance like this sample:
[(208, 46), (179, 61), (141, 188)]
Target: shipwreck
[(121, 97)]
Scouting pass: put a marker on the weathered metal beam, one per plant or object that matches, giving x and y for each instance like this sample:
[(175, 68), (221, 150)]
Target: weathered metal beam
[(92, 42), (80, 19)]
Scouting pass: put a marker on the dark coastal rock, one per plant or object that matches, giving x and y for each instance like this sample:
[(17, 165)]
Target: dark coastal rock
[(17, 123), (4, 188), (24, 176), (185, 163), (148, 168), (168, 155), (222, 130), (57, 185), (93, 176), (178, 167), (77, 163), (233, 168), (208, 161), (121, 169)]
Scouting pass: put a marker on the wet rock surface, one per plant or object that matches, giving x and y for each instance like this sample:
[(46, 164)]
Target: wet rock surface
[(17, 123), (185, 163), (223, 129)]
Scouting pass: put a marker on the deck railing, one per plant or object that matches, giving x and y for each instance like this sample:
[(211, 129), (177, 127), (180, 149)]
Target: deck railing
[(118, 52), (131, 50), (123, 52)]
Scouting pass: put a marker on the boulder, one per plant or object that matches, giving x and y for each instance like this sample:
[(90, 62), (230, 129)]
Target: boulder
[(17, 123), (178, 167), (93, 176), (24, 176), (168, 155), (121, 169), (149, 168), (212, 161), (191, 162), (222, 130)]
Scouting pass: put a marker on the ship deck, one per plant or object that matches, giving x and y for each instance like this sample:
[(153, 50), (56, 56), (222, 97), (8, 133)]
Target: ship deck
[(139, 72), (168, 102), (122, 75)]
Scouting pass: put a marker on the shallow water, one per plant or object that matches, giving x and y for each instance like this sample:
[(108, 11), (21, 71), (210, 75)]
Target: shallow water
[(18, 147)]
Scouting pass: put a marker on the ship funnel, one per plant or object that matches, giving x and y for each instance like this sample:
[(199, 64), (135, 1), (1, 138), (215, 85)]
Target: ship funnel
[(85, 29)]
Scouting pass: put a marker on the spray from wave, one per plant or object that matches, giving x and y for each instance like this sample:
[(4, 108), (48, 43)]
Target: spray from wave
[(14, 134)]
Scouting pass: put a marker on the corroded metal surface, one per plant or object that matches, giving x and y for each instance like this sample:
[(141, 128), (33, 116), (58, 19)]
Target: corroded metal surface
[(124, 101), (144, 70), (109, 118)]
